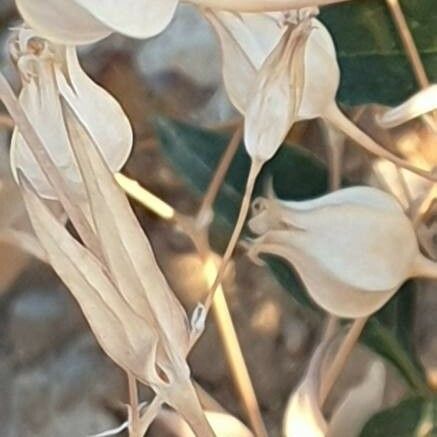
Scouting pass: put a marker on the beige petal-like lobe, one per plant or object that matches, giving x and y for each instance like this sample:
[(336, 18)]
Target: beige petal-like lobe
[(303, 416), (246, 40), (420, 104), (360, 404), (40, 101), (321, 72), (128, 252), (123, 335), (101, 113), (62, 21), (276, 99), (134, 18)]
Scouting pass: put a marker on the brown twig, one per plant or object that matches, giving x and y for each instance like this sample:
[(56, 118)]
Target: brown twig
[(255, 168), (204, 216), (341, 358), (220, 309), (134, 423), (411, 52), (6, 122)]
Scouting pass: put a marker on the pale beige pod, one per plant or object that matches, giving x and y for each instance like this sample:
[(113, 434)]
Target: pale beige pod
[(304, 416), (47, 76), (75, 22), (352, 249)]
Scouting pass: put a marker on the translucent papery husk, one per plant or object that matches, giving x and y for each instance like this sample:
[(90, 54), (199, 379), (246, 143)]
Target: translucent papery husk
[(245, 40), (298, 80), (75, 22), (62, 21), (352, 249), (304, 416), (124, 295), (58, 73), (420, 104)]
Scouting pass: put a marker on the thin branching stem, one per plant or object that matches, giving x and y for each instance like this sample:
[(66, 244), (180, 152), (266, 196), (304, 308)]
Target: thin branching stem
[(134, 425), (234, 354), (255, 168), (6, 122), (220, 308), (411, 52), (204, 216), (341, 357)]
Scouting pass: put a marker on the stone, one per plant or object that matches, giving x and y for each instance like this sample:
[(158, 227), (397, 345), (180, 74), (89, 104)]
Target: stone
[(40, 319)]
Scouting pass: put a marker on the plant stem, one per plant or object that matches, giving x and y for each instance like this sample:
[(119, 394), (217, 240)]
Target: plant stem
[(408, 43), (204, 216), (255, 168), (184, 400), (47, 166), (6, 121), (339, 120), (134, 425), (341, 358), (220, 309), (233, 353), (411, 52)]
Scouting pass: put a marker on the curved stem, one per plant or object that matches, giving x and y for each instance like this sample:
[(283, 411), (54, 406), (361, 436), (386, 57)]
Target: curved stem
[(341, 358), (204, 216), (255, 168), (134, 425), (234, 354), (185, 401), (424, 267), (338, 119)]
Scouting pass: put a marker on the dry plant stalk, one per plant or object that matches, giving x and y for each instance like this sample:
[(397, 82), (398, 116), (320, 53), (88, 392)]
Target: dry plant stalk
[(279, 67), (125, 297), (291, 67)]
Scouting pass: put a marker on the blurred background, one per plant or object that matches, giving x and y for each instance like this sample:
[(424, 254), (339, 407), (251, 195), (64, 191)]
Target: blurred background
[(54, 379)]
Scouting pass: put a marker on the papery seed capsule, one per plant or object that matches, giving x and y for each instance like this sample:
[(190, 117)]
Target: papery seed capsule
[(352, 249)]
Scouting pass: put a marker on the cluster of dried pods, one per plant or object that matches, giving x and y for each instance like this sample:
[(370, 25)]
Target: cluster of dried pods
[(352, 249)]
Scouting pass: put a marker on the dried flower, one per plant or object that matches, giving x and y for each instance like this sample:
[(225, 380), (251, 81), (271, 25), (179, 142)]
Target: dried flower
[(304, 416), (420, 104), (125, 297), (352, 249), (87, 21), (282, 68), (49, 73)]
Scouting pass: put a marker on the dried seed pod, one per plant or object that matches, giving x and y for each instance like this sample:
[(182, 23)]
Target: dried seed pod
[(352, 249), (304, 417), (126, 299), (298, 79), (75, 22), (48, 73)]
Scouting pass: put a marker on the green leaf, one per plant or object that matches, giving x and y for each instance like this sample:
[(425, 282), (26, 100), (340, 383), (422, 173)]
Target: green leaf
[(298, 175), (413, 417), (372, 60)]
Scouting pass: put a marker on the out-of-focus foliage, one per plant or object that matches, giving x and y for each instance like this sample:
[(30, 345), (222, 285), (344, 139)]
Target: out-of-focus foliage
[(372, 60)]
